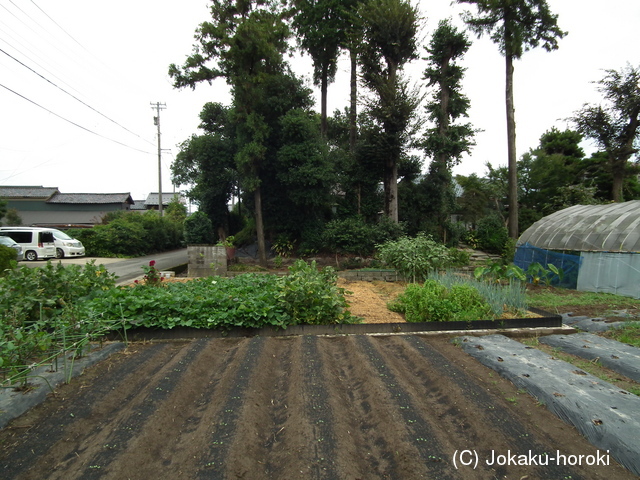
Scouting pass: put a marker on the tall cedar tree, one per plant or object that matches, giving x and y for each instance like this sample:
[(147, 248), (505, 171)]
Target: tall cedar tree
[(614, 127), (446, 142), (516, 26), (245, 44), (389, 42), (322, 27)]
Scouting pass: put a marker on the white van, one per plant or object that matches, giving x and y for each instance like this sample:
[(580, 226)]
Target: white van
[(65, 246), (37, 243)]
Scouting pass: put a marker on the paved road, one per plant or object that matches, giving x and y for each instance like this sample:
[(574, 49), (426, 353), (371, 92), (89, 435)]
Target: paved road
[(126, 269)]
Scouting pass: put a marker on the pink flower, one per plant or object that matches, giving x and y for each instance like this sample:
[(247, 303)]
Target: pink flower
[(152, 263)]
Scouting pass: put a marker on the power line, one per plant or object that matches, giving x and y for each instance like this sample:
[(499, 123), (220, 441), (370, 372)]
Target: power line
[(72, 96), (70, 121)]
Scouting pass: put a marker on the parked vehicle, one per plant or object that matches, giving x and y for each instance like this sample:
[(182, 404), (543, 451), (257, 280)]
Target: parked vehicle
[(36, 243), (65, 246), (9, 242)]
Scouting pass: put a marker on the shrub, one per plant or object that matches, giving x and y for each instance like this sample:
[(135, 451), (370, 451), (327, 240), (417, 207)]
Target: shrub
[(491, 234), (8, 257), (198, 229), (311, 296), (415, 257), (354, 235), (433, 302), (130, 234)]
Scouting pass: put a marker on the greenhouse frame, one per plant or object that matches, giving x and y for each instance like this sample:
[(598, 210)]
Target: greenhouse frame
[(597, 246)]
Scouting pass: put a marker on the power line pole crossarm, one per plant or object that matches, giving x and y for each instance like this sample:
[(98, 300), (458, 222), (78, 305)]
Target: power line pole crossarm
[(156, 120)]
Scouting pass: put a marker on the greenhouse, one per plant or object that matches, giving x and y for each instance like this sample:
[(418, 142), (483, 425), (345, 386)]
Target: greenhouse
[(597, 247)]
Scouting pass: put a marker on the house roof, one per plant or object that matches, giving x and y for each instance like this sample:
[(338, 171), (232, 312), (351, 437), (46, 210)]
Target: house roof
[(595, 228), (93, 198), (152, 198), (138, 205), (34, 192)]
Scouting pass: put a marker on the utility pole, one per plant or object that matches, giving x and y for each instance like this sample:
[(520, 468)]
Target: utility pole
[(156, 120)]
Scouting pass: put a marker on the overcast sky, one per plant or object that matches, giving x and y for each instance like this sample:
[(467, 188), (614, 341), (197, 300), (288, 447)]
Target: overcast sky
[(77, 81)]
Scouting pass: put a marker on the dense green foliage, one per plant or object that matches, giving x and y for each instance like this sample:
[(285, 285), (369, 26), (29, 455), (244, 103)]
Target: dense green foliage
[(433, 302), (7, 256), (414, 258), (354, 235), (198, 229), (250, 300), (40, 314), (452, 297), (128, 234)]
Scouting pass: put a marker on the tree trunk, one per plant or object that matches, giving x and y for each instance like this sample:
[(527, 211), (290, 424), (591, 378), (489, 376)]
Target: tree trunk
[(393, 192), (353, 114), (262, 250), (511, 148), (617, 174), (323, 101)]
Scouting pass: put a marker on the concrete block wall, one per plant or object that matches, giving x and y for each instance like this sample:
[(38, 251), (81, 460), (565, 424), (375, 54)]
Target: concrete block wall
[(206, 260)]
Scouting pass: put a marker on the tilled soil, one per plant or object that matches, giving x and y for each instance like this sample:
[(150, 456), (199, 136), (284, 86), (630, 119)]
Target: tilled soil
[(306, 407)]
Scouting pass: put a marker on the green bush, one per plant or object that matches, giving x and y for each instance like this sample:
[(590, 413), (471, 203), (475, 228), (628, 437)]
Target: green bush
[(354, 235), (311, 296), (7, 256), (414, 257), (433, 302), (491, 234), (131, 233), (198, 229)]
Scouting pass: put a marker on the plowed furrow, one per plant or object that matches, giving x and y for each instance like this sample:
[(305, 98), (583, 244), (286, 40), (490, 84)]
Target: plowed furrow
[(213, 461), (266, 446), (185, 418), (421, 427), (490, 412), (364, 410), (76, 424), (159, 388), (318, 412)]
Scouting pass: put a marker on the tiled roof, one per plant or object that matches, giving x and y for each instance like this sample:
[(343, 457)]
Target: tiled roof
[(27, 192), (152, 198), (138, 205), (95, 198)]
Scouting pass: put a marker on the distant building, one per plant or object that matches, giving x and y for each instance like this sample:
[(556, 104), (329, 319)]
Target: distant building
[(152, 202), (47, 206)]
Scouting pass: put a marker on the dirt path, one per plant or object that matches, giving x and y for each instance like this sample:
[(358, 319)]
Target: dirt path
[(355, 407), (369, 300)]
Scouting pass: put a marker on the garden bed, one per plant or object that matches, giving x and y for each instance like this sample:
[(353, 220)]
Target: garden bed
[(366, 300), (295, 407)]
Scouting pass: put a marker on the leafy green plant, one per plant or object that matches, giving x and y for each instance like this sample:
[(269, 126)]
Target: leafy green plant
[(198, 229), (433, 302), (498, 271), (414, 257), (452, 296), (311, 296), (39, 320), (8, 258), (251, 300)]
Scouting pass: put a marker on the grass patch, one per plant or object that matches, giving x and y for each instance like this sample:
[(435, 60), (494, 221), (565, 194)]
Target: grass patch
[(629, 333), (590, 366), (556, 298)]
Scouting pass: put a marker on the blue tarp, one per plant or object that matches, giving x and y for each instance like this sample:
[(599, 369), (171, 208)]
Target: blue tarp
[(527, 254)]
